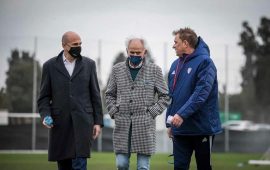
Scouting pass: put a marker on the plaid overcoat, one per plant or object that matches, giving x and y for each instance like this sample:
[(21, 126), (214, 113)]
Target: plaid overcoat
[(134, 102)]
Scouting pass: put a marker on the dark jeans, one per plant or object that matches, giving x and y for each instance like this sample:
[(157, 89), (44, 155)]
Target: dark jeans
[(72, 164), (183, 147)]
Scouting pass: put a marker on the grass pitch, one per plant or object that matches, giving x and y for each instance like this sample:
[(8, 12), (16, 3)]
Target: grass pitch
[(106, 161)]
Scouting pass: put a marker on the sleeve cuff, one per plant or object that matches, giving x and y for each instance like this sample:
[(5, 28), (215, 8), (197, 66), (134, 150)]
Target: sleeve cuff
[(153, 112), (113, 111)]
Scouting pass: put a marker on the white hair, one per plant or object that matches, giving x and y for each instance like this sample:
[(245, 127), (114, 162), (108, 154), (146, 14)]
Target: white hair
[(128, 41)]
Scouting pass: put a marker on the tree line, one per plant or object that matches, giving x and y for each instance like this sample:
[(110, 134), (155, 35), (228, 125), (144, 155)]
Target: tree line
[(254, 99)]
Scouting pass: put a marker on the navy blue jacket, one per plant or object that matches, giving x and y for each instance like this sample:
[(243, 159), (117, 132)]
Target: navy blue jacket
[(195, 96)]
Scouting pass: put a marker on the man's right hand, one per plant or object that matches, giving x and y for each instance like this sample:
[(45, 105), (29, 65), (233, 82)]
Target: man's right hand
[(169, 132), (177, 120), (48, 122)]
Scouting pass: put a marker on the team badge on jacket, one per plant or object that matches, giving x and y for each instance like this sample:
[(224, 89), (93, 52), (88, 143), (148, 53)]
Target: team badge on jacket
[(189, 70)]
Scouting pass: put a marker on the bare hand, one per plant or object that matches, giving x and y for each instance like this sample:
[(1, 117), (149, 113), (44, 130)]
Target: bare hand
[(169, 132), (96, 131), (177, 120)]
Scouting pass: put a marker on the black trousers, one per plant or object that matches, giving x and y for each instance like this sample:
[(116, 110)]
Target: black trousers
[(72, 164), (183, 147)]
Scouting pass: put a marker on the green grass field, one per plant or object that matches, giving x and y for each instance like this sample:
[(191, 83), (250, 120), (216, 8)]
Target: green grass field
[(106, 161)]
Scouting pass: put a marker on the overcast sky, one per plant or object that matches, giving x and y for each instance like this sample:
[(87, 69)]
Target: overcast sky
[(218, 22)]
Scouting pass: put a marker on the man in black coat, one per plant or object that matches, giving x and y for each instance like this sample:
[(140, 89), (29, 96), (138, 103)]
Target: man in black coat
[(70, 104)]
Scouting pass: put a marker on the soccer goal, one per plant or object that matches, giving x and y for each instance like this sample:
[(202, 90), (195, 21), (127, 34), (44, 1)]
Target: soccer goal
[(265, 159)]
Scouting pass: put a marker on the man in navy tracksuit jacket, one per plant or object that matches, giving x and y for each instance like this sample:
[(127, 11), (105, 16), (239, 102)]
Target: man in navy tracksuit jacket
[(193, 114)]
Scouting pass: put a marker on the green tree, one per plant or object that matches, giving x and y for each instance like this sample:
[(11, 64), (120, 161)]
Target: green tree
[(256, 71), (19, 82), (119, 58), (149, 57), (3, 99), (262, 76)]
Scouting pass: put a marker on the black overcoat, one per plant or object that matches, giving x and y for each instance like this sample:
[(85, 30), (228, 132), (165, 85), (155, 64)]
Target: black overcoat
[(74, 103)]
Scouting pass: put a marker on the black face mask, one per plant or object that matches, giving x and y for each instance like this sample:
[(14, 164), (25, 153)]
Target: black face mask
[(75, 52)]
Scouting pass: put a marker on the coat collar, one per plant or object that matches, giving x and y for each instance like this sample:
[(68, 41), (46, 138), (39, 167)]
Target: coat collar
[(61, 67), (140, 74)]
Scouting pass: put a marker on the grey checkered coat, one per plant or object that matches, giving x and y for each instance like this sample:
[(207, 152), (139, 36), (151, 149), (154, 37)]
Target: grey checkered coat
[(134, 102)]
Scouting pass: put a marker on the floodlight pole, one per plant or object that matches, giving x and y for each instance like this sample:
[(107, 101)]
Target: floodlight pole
[(165, 57), (165, 137), (99, 139), (34, 98), (226, 102)]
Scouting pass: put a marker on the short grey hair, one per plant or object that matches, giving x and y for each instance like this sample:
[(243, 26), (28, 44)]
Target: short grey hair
[(128, 41)]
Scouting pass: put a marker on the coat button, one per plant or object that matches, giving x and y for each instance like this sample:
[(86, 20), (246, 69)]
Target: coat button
[(132, 88), (130, 101), (131, 114)]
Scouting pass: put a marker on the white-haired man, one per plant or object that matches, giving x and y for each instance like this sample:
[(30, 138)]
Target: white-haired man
[(130, 99)]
